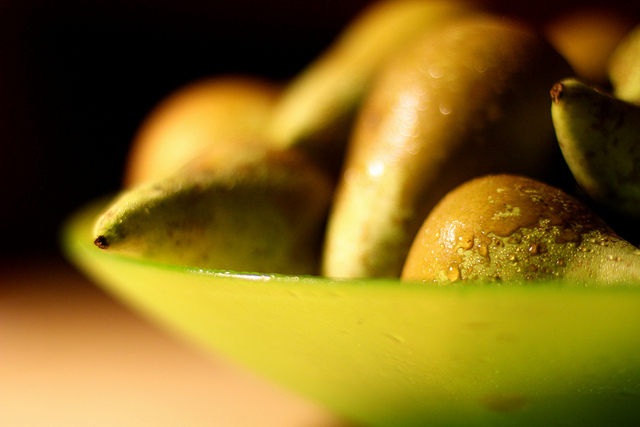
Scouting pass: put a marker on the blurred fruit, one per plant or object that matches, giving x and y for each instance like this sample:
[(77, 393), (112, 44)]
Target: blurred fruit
[(586, 37), (624, 67), (511, 229), (469, 99), (196, 117)]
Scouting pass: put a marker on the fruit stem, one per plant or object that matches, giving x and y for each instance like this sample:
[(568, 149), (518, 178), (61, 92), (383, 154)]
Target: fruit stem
[(557, 91), (101, 242)]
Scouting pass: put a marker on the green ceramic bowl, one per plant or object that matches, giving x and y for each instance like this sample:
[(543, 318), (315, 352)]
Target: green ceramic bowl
[(386, 353)]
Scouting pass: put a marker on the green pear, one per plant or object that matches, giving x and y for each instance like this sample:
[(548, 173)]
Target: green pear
[(600, 139), (512, 228), (467, 100), (240, 207), (317, 108), (624, 67)]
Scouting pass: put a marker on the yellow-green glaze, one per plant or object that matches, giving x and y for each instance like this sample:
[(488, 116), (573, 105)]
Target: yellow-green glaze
[(386, 353)]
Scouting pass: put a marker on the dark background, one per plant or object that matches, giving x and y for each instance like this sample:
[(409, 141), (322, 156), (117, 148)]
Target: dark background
[(77, 77)]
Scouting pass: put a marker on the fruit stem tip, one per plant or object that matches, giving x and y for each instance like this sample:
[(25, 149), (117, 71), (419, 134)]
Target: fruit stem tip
[(101, 242), (557, 91)]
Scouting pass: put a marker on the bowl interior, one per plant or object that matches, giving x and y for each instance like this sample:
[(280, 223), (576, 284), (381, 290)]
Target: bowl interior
[(382, 352)]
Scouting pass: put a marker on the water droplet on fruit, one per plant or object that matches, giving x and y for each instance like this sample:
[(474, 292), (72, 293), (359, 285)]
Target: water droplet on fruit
[(465, 240), (483, 250), (453, 272)]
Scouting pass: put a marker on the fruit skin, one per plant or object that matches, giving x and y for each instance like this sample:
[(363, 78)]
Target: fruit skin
[(318, 106), (624, 67), (468, 100), (511, 228), (241, 207), (599, 136), (195, 117)]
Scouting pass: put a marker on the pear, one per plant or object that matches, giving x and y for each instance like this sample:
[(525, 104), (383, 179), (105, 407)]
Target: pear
[(600, 139), (624, 67), (241, 206), (467, 100), (196, 116), (513, 228), (586, 36), (317, 107)]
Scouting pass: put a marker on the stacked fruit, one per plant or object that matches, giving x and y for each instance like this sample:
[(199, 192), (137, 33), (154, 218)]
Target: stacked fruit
[(419, 145)]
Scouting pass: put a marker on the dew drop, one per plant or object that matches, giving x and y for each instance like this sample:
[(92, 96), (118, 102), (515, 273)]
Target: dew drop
[(515, 238), (465, 240), (483, 250), (453, 272)]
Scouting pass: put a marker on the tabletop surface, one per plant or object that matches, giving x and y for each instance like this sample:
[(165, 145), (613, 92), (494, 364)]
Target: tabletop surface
[(72, 355)]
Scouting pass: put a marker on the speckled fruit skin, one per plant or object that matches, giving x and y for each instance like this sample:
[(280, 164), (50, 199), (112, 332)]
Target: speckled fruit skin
[(512, 228)]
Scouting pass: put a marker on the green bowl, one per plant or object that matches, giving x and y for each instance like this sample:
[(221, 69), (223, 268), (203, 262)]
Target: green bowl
[(387, 353)]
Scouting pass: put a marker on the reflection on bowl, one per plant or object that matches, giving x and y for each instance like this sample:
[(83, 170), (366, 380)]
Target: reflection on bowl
[(382, 352)]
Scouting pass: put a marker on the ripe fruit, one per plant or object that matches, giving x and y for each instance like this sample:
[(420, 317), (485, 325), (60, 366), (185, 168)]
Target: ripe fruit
[(511, 228), (203, 114)]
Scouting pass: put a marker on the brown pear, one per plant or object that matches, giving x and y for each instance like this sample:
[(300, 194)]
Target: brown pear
[(512, 228)]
